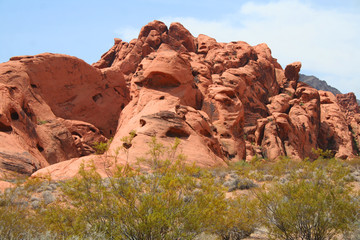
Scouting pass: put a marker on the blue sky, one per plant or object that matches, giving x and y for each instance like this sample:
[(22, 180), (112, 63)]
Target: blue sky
[(323, 34)]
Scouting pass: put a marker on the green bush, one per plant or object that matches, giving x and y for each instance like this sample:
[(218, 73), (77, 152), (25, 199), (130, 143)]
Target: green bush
[(17, 221), (166, 199), (238, 219), (313, 204), (166, 203), (102, 147)]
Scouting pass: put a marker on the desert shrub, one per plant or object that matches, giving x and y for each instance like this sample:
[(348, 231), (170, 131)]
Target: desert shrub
[(166, 199), (323, 154), (238, 219), (102, 147), (17, 221), (168, 202), (313, 204), (354, 163), (284, 166), (236, 183)]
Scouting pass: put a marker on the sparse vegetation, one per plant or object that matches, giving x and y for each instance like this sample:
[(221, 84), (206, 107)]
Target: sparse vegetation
[(314, 203), (41, 122), (323, 154), (170, 200), (102, 147)]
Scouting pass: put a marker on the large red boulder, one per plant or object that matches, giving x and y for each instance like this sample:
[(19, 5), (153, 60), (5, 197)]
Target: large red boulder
[(36, 91)]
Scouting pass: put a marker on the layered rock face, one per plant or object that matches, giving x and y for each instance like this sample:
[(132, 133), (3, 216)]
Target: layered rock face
[(225, 101)]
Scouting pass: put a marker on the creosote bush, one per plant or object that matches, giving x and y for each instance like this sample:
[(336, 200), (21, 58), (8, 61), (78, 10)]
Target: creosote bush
[(170, 200), (313, 204)]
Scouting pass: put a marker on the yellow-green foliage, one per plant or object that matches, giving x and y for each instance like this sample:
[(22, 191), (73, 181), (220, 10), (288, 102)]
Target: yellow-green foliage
[(16, 220), (323, 154), (170, 200), (238, 218), (313, 204), (102, 147)]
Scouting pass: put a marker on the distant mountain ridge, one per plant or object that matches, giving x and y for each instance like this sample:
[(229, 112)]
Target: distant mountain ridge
[(319, 84)]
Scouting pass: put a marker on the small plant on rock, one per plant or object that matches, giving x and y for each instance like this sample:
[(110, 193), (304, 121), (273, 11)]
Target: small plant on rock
[(102, 147)]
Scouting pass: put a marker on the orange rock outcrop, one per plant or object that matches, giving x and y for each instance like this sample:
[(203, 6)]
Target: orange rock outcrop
[(225, 101)]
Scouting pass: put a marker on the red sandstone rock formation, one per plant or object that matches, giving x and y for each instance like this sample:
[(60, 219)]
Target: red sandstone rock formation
[(225, 101), (350, 107), (334, 132), (37, 91)]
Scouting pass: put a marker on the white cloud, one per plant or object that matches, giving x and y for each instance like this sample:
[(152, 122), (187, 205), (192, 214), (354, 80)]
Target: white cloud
[(326, 41), (128, 33)]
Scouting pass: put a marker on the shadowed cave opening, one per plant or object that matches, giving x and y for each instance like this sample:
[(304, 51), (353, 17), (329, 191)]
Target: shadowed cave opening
[(177, 132), (5, 128), (159, 80), (14, 115), (97, 97), (40, 148)]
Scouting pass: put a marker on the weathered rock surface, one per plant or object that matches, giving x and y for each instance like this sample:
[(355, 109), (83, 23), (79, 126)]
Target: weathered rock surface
[(36, 91), (348, 103), (334, 132), (85, 136), (225, 101)]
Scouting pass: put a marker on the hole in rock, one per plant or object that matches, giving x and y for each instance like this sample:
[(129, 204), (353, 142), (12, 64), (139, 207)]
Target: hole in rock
[(97, 97), (40, 148), (142, 122), (93, 130), (160, 80), (33, 85), (76, 134), (127, 145), (14, 115), (162, 97), (225, 135), (214, 129), (12, 90), (5, 128), (122, 106), (76, 137), (195, 72), (177, 132)]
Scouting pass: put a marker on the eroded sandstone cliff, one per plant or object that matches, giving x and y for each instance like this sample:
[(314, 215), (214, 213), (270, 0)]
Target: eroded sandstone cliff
[(225, 101)]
